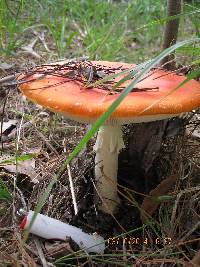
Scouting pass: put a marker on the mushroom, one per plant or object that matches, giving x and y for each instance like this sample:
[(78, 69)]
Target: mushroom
[(67, 95)]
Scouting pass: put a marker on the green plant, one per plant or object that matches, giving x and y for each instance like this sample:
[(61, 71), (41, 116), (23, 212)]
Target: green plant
[(5, 194), (9, 26), (118, 31)]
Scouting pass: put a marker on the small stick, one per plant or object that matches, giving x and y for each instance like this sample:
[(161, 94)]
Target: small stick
[(40, 252), (8, 78), (72, 190)]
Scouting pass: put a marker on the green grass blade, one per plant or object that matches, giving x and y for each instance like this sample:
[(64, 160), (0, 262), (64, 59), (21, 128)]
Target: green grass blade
[(131, 72), (39, 206), (189, 77), (166, 19), (18, 158), (113, 26)]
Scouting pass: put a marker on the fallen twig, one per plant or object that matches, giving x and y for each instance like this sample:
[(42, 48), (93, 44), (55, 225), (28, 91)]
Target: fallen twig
[(72, 190), (40, 252), (8, 78)]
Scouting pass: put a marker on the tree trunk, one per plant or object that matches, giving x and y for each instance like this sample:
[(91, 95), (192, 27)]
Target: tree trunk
[(171, 32), (138, 166)]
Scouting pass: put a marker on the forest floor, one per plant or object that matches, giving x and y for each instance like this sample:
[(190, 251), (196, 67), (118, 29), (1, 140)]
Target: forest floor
[(35, 142)]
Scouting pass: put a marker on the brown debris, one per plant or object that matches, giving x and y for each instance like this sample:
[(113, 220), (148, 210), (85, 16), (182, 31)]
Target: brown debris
[(196, 259), (195, 262), (149, 204), (60, 249)]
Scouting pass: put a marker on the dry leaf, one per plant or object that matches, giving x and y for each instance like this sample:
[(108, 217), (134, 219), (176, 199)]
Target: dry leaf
[(150, 204), (26, 167), (5, 66), (8, 128), (7, 125), (196, 259), (29, 49)]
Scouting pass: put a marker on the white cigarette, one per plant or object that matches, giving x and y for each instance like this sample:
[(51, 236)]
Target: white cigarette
[(50, 228)]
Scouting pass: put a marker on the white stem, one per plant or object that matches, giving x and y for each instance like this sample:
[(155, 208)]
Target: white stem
[(108, 144)]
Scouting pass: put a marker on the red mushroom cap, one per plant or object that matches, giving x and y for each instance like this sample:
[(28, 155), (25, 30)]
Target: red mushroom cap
[(75, 101)]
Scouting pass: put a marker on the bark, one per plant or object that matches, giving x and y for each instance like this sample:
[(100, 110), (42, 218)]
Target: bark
[(171, 31), (137, 167)]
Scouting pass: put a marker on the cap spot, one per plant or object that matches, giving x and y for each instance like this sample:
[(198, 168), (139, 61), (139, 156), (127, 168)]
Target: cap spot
[(77, 104)]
